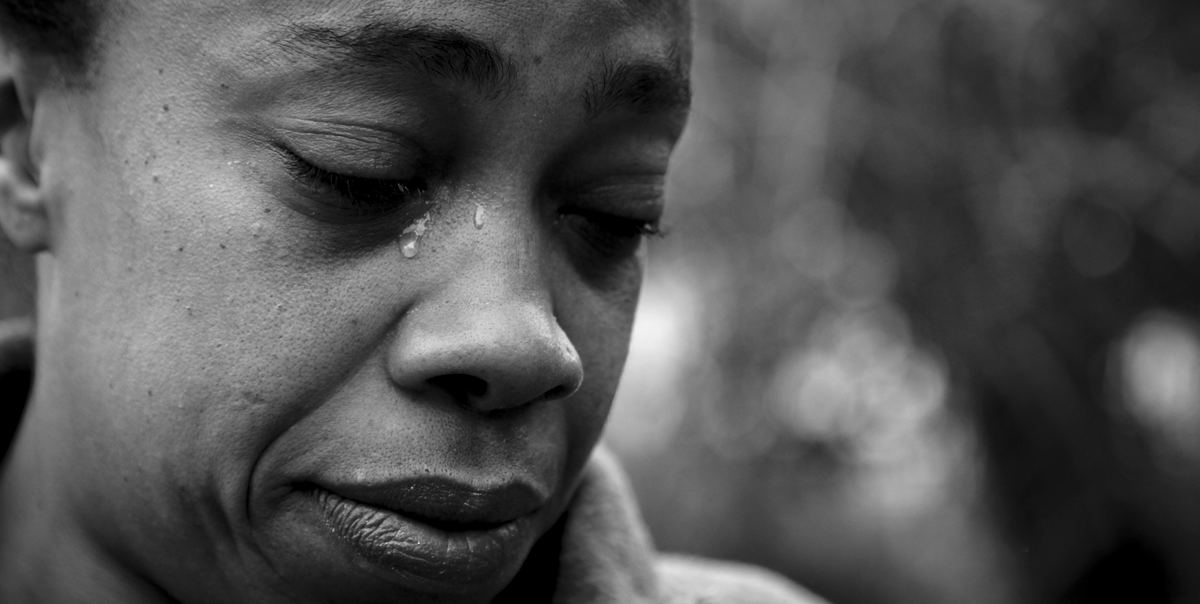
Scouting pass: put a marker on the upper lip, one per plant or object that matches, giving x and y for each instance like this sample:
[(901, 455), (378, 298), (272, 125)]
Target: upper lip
[(446, 502)]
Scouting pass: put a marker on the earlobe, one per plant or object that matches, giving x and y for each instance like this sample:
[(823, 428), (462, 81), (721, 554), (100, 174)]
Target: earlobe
[(23, 215)]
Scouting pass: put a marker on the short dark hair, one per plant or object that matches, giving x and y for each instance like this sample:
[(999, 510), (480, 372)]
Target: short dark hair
[(63, 30)]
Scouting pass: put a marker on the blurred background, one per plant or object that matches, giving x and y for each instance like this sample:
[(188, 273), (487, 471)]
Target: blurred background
[(925, 327)]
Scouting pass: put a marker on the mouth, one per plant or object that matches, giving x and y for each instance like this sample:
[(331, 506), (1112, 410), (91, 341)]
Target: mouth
[(436, 530)]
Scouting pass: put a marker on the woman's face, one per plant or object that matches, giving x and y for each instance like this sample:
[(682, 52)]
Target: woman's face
[(338, 293)]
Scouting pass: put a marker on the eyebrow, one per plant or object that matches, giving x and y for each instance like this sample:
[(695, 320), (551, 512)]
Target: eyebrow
[(442, 54), (646, 86)]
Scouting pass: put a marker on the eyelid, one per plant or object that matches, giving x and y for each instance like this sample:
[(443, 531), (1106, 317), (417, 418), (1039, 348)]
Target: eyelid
[(340, 199), (638, 196), (353, 150)]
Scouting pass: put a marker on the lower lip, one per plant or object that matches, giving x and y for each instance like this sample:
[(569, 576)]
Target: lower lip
[(413, 548)]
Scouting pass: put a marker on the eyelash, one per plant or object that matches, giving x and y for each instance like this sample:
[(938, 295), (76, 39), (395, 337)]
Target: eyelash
[(359, 193), (613, 236), (609, 235), (627, 227)]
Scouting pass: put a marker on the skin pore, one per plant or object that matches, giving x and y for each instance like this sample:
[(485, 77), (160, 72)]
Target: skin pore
[(333, 297)]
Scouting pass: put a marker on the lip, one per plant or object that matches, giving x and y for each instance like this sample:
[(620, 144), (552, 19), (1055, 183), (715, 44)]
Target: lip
[(435, 529), (446, 503)]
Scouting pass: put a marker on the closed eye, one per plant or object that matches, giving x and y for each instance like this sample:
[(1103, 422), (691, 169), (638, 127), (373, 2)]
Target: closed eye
[(356, 195), (610, 236)]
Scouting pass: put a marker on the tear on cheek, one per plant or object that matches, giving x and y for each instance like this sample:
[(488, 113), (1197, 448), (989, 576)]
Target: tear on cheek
[(410, 237)]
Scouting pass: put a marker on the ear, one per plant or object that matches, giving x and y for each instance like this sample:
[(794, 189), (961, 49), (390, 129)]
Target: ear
[(23, 213)]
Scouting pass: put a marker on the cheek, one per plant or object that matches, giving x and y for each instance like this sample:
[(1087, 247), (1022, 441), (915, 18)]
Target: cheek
[(194, 306), (250, 349), (599, 323)]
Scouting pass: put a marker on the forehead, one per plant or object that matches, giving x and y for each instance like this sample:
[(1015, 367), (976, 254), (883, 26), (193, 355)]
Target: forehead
[(518, 26), (645, 44)]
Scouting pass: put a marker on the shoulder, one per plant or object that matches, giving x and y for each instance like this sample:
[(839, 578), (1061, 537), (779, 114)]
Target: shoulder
[(691, 580)]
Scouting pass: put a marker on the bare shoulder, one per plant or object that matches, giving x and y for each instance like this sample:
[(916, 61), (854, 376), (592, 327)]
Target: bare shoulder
[(692, 580)]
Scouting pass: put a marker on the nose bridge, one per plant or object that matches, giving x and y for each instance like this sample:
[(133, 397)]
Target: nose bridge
[(501, 262), (485, 334), (497, 266)]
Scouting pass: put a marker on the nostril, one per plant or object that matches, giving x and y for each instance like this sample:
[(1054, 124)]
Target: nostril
[(557, 392), (470, 390), (461, 387)]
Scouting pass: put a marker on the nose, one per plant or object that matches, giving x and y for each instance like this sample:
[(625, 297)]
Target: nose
[(491, 344)]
